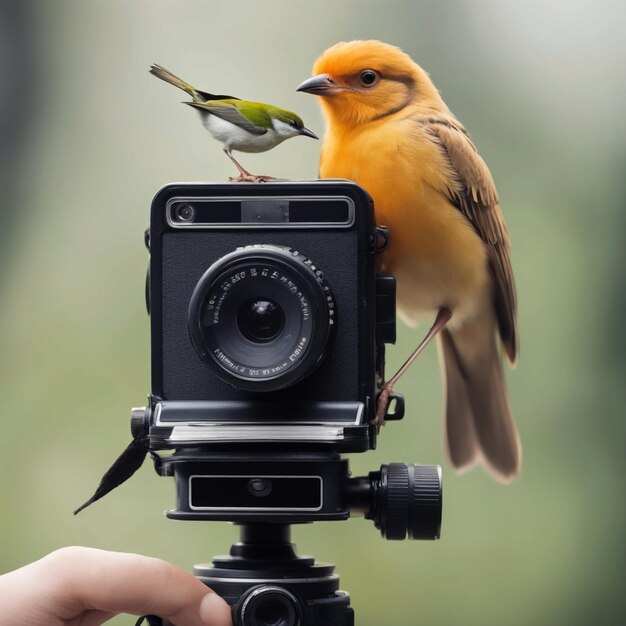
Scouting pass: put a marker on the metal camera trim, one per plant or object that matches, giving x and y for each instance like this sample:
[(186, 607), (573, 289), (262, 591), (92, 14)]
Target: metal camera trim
[(260, 198), (210, 422)]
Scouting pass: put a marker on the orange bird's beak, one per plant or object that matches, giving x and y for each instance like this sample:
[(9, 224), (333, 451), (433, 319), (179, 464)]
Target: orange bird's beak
[(320, 85)]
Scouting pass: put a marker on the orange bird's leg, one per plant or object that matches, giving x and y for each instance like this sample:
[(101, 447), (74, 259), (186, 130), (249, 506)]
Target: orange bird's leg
[(443, 317)]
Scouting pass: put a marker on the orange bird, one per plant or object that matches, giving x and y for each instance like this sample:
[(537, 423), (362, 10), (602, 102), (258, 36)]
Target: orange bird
[(389, 130)]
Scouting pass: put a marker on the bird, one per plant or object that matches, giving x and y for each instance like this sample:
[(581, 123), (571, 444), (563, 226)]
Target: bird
[(389, 130), (239, 125)]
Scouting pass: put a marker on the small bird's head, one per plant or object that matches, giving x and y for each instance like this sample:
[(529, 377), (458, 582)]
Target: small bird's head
[(362, 81), (287, 124)]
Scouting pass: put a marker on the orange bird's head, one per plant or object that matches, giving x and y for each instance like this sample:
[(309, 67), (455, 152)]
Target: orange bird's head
[(363, 81)]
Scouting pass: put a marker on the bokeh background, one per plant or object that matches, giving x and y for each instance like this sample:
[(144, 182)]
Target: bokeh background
[(86, 138)]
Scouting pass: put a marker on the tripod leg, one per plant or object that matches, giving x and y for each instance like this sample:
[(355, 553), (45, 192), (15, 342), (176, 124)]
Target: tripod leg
[(443, 317)]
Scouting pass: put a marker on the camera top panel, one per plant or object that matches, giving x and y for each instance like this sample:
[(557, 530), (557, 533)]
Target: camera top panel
[(293, 205)]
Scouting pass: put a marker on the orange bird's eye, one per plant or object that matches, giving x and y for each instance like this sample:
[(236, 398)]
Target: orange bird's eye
[(368, 78)]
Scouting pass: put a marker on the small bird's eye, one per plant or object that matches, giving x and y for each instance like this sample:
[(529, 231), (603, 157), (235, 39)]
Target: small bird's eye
[(293, 123), (368, 78)]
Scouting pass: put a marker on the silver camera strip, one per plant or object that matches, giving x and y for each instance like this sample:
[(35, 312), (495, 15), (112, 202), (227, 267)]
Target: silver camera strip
[(279, 431), (273, 225), (260, 433)]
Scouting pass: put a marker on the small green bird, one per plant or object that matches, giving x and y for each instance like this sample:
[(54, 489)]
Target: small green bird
[(239, 124)]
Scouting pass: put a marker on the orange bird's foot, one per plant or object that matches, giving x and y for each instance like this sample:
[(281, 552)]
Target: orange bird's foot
[(382, 404)]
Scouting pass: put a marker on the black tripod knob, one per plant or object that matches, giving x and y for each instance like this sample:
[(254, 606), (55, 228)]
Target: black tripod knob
[(406, 501), (267, 605)]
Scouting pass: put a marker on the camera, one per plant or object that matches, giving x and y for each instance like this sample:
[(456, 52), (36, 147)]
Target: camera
[(268, 330), (248, 284)]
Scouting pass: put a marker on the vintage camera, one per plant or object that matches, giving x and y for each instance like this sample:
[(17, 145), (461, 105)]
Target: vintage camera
[(268, 330), (266, 307)]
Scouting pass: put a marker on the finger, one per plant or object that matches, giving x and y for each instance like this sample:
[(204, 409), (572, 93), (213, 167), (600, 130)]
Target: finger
[(114, 582)]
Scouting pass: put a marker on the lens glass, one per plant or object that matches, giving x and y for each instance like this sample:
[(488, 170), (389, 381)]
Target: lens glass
[(260, 320), (185, 213)]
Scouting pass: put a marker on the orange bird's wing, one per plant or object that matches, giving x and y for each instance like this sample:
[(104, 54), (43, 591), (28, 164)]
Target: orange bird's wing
[(476, 197)]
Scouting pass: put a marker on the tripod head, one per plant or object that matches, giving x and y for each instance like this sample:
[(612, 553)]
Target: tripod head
[(280, 483)]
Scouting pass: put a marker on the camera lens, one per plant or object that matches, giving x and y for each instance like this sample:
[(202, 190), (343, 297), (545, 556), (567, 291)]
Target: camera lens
[(185, 213), (267, 605), (260, 320), (261, 317)]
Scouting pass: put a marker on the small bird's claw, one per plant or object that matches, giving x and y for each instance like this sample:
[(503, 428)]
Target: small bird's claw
[(250, 178)]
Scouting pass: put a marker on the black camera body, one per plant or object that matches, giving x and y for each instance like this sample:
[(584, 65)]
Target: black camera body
[(337, 238), (268, 320)]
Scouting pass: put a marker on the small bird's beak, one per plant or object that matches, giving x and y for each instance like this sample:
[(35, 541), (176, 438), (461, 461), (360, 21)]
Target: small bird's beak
[(320, 85), (308, 133)]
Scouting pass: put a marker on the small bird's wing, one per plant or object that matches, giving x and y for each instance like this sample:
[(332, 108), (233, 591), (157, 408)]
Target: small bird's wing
[(476, 197), (255, 124)]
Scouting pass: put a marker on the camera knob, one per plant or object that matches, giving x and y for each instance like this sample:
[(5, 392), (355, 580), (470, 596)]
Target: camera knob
[(267, 605), (139, 417), (407, 501)]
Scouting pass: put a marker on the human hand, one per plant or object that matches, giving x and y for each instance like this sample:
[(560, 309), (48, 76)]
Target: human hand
[(86, 587)]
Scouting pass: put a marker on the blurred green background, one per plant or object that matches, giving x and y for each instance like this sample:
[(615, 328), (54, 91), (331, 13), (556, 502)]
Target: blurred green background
[(86, 138)]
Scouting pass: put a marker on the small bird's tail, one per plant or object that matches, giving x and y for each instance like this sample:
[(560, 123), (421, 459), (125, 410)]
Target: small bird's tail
[(198, 96), (479, 422), (172, 79)]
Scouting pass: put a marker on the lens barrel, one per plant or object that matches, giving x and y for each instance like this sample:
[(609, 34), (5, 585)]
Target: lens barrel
[(261, 317)]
